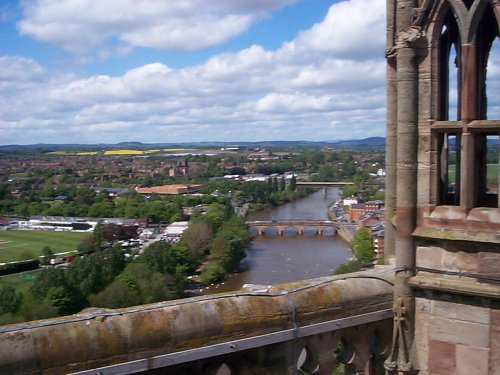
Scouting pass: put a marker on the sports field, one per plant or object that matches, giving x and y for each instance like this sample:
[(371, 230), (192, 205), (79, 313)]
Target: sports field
[(24, 244), (21, 282)]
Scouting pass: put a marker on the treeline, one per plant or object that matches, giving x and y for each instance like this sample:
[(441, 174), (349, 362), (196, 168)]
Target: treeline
[(85, 202), (214, 244), (259, 194)]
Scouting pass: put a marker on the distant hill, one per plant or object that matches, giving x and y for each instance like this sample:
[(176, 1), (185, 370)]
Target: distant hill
[(41, 147), (372, 141)]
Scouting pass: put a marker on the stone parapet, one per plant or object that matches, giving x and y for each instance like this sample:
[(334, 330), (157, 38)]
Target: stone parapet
[(295, 325)]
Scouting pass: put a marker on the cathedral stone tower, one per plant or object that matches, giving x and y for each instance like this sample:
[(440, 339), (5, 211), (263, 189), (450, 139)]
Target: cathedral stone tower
[(443, 215)]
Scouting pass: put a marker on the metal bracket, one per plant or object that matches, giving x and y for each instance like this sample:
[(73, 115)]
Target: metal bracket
[(399, 344)]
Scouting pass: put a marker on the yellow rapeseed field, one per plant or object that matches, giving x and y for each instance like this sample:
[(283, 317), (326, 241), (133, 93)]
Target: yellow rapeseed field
[(66, 153), (123, 152), (118, 152)]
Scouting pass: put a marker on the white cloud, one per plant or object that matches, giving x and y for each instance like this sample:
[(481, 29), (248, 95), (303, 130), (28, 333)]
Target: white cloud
[(304, 90), (18, 72), (351, 30), (84, 25)]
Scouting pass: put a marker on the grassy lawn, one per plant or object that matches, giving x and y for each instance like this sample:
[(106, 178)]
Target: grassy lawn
[(491, 173), (20, 281), (23, 244)]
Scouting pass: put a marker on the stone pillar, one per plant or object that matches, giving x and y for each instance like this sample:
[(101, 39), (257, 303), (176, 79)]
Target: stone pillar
[(406, 193), (391, 139), (407, 139), (407, 41)]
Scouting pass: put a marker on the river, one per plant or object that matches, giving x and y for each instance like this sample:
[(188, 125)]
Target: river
[(279, 259)]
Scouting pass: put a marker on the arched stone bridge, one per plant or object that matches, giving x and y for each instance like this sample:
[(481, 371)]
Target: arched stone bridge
[(324, 184), (299, 225)]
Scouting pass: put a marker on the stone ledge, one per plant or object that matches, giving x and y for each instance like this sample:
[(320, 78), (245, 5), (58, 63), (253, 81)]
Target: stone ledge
[(457, 234), (455, 285)]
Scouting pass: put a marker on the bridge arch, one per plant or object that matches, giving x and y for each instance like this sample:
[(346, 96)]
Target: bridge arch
[(300, 227)]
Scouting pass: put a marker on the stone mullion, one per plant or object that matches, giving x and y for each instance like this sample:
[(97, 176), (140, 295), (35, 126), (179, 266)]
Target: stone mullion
[(468, 112)]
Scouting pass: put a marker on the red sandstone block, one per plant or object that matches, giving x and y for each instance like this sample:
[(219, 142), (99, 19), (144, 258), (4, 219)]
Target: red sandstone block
[(460, 261), (430, 257), (442, 358), (471, 360), (489, 263), (495, 342), (467, 313), (459, 332), (421, 339)]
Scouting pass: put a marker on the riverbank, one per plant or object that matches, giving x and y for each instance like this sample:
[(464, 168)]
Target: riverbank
[(288, 258), (281, 198)]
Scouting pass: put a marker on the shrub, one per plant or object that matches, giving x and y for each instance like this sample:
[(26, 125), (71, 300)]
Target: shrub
[(212, 273)]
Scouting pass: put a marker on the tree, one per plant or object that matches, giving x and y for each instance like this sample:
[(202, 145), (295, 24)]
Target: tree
[(10, 300), (212, 273), (215, 214), (95, 271), (237, 171), (62, 298), (113, 262), (326, 173), (32, 309), (274, 187), (351, 266), (151, 286), (221, 252), (115, 296), (197, 238), (362, 246), (350, 190), (53, 289), (159, 257), (99, 236), (293, 183), (86, 246), (48, 278), (48, 254), (228, 247), (377, 195), (282, 185)]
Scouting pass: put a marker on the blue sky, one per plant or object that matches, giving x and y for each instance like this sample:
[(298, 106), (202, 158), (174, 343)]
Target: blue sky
[(90, 71)]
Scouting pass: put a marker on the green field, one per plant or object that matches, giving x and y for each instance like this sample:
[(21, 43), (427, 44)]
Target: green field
[(23, 244), (20, 281), (491, 173)]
